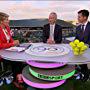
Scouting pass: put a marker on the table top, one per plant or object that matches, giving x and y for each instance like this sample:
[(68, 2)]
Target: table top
[(69, 58)]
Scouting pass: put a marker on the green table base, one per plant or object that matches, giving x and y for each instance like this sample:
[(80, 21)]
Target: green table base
[(51, 78)]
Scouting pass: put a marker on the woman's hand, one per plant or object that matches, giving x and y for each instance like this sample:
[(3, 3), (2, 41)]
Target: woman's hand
[(16, 42), (30, 41)]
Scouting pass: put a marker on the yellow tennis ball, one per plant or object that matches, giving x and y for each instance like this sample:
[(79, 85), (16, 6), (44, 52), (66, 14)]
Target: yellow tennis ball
[(81, 44), (72, 44), (73, 47), (78, 45), (76, 41), (84, 48), (76, 49), (81, 52), (76, 53)]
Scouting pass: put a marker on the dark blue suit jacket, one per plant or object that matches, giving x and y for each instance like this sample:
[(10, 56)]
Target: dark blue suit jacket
[(85, 37), (57, 33)]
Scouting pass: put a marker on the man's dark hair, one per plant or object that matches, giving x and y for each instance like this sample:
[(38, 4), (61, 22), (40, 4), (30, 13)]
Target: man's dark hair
[(84, 12)]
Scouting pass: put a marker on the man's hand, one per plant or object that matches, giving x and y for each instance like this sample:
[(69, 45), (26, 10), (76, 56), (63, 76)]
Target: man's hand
[(50, 41)]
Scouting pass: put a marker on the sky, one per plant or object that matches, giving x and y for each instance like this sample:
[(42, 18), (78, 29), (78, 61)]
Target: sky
[(66, 10)]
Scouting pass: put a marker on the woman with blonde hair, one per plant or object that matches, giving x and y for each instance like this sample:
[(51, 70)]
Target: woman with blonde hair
[(6, 41)]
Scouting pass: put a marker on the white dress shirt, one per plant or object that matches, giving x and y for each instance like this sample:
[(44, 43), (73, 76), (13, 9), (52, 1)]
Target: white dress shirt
[(52, 27), (84, 25)]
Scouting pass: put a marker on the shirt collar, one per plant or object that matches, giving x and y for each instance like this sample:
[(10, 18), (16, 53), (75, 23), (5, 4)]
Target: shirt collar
[(85, 23), (52, 24)]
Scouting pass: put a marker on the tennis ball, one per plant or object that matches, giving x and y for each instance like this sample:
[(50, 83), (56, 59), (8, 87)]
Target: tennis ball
[(86, 47), (73, 47), (72, 44), (76, 41), (83, 48), (76, 53), (81, 44), (76, 49)]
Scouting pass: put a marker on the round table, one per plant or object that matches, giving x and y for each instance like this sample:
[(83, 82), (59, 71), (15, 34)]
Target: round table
[(69, 58)]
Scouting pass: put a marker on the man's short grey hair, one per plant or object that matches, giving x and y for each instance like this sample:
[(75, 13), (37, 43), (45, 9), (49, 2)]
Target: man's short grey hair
[(53, 13)]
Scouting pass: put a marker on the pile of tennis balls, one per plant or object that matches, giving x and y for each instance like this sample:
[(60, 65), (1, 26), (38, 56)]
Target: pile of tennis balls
[(78, 47)]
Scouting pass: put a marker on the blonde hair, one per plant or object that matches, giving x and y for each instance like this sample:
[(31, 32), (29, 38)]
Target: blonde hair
[(3, 16)]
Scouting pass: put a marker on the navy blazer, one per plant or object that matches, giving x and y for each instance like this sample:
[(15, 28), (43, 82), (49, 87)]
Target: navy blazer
[(83, 36), (57, 33)]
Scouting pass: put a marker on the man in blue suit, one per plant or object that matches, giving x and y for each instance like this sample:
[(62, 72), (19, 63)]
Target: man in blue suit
[(83, 34)]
